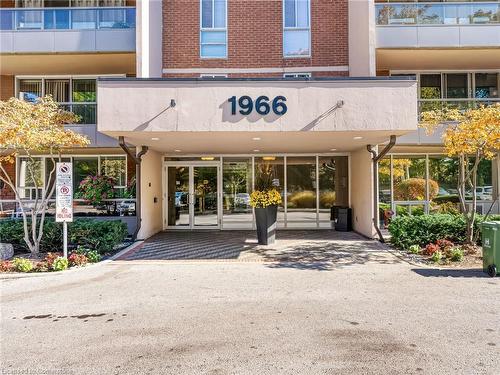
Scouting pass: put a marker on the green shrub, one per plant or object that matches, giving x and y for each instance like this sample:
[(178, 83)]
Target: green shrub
[(414, 249), (60, 264), (92, 255), (101, 236), (22, 264), (436, 257), (425, 229), (12, 231), (456, 254)]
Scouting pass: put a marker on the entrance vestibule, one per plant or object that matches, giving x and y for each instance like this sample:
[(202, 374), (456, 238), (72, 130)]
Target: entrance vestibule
[(205, 192)]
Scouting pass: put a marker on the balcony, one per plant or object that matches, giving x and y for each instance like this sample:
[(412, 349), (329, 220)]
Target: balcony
[(51, 30), (427, 25)]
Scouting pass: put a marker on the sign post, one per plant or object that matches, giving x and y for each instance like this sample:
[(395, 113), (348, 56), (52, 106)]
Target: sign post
[(64, 199)]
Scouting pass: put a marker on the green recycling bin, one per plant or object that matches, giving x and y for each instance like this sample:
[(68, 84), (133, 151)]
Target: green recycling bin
[(491, 247)]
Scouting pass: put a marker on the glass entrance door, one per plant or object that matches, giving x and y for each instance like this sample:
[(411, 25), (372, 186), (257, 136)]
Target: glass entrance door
[(192, 196), (205, 202)]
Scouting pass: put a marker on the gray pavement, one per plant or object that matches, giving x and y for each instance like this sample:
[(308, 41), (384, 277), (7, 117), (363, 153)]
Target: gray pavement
[(361, 311)]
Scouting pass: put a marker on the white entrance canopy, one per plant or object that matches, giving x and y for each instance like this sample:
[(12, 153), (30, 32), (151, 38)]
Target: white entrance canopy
[(226, 116)]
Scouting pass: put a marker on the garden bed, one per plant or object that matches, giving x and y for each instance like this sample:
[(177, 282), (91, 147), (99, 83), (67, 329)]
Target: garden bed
[(90, 242)]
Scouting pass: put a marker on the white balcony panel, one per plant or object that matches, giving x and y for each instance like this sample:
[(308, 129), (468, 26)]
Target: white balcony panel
[(393, 37), (115, 40), (32, 41), (47, 41), (74, 41), (476, 35), (438, 36), (6, 42)]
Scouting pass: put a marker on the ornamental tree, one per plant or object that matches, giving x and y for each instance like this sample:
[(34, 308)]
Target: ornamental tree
[(28, 130), (471, 136)]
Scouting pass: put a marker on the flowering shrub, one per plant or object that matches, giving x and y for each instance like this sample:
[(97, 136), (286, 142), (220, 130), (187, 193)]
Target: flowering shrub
[(431, 248), (22, 264), (444, 244), (6, 266), (436, 257), (95, 189), (414, 249), (50, 258), (76, 259), (59, 264), (93, 256), (456, 254), (265, 198)]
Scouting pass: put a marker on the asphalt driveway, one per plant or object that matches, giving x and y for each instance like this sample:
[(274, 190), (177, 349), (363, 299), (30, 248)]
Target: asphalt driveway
[(373, 315)]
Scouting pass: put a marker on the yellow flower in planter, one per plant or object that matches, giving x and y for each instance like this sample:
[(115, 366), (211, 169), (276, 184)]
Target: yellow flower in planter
[(265, 198)]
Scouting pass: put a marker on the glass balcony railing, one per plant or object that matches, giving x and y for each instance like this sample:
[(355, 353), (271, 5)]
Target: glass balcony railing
[(416, 14), (462, 104), (67, 18)]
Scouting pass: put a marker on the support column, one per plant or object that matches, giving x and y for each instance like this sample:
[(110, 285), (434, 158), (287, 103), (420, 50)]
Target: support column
[(149, 31), (362, 192), (151, 194), (362, 38)]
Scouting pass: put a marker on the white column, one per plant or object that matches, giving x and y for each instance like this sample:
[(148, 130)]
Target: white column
[(362, 38), (151, 194), (362, 192), (149, 29)]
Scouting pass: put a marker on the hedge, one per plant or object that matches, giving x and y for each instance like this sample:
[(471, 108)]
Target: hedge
[(422, 230), (102, 236)]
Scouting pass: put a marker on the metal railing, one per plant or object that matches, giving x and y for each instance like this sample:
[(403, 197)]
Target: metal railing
[(67, 18), (420, 14)]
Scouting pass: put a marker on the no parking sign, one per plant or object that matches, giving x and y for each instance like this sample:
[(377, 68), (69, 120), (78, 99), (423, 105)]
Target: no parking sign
[(64, 192)]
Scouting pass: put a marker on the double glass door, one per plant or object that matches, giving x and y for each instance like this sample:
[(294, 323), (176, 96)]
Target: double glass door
[(192, 196)]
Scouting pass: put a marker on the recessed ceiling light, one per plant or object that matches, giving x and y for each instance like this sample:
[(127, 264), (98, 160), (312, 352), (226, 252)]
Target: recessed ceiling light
[(155, 139), (333, 149), (256, 139), (358, 137), (256, 150), (177, 150)]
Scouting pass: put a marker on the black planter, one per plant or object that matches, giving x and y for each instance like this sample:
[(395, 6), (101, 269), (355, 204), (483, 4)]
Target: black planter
[(265, 218)]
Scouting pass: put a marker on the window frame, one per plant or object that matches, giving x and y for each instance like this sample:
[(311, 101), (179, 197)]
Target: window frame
[(213, 29), (297, 28), (44, 158)]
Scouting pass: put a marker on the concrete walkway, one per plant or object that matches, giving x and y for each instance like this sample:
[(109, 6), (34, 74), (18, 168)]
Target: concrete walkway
[(297, 248)]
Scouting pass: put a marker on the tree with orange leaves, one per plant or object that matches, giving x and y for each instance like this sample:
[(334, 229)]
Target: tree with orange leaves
[(471, 136), (28, 130)]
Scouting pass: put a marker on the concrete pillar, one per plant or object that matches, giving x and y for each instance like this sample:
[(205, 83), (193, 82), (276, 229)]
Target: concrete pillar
[(149, 29), (151, 194), (362, 192), (362, 38)]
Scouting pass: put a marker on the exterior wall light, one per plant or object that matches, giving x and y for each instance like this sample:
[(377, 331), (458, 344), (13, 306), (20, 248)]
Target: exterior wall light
[(172, 103)]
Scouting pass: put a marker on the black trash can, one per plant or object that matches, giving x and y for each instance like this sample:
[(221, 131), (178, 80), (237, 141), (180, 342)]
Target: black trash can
[(334, 212), (344, 219)]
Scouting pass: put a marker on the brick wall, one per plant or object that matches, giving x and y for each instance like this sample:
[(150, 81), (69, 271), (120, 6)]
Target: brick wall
[(6, 87), (6, 192), (255, 35)]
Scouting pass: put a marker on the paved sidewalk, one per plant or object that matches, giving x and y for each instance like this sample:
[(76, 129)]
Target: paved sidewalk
[(304, 249)]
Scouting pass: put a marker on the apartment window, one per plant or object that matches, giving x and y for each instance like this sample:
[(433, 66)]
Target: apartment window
[(296, 28), (213, 29), (30, 177), (77, 95), (487, 85)]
